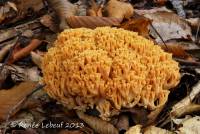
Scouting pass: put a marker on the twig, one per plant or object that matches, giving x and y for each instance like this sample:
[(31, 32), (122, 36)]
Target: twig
[(159, 35), (37, 88), (9, 55), (188, 63), (197, 33), (24, 51)]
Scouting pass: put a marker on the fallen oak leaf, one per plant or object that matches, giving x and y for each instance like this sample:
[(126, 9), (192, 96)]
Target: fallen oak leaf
[(18, 54), (10, 98), (99, 125), (92, 21), (118, 9)]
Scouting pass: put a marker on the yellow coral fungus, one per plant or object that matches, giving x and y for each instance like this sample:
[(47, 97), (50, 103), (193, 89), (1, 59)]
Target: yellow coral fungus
[(108, 68)]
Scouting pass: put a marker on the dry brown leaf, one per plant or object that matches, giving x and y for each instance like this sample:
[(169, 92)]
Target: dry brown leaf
[(47, 21), (177, 50), (118, 9), (169, 26), (36, 58), (18, 54), (9, 99), (123, 123), (138, 115), (21, 9), (92, 21), (63, 9), (94, 10), (99, 125), (139, 25), (154, 114)]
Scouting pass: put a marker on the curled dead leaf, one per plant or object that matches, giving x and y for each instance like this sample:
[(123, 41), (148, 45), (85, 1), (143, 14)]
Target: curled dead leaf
[(99, 125), (10, 98), (118, 9), (92, 21)]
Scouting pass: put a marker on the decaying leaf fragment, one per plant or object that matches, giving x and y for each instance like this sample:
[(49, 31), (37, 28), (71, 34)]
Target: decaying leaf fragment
[(10, 98), (48, 21), (177, 50), (4, 51), (20, 74), (118, 9), (190, 126), (156, 130), (36, 58), (100, 126), (134, 130)]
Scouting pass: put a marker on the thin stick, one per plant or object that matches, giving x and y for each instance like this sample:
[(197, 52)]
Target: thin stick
[(159, 35), (197, 33), (9, 55), (187, 63)]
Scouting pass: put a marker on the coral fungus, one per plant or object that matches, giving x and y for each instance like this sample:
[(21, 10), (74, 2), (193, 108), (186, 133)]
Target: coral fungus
[(108, 68)]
